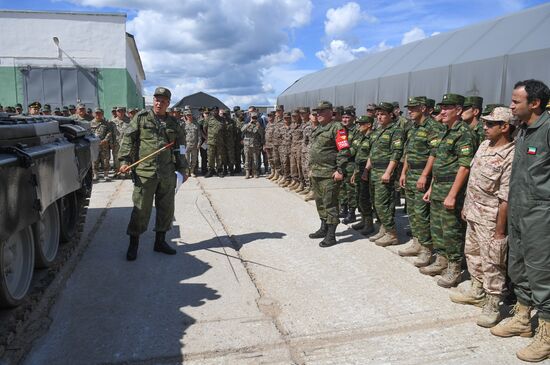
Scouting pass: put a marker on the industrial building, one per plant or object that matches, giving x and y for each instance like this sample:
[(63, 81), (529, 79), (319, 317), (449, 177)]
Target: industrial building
[(63, 58), (484, 59)]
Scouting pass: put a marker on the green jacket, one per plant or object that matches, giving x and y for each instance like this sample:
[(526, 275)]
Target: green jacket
[(215, 130), (362, 145), (422, 142), (325, 158), (353, 138), (479, 134), (386, 145), (146, 134), (456, 147)]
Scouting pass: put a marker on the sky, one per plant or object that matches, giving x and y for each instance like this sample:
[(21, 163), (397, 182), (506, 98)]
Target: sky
[(246, 52)]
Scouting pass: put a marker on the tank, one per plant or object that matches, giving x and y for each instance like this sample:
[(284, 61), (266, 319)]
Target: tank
[(45, 185)]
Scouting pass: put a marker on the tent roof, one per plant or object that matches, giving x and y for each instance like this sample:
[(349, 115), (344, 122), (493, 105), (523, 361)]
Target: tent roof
[(521, 32), (199, 100)]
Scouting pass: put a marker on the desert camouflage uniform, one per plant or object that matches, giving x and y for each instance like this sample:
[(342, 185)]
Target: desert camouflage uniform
[(277, 141), (284, 150), (296, 136), (488, 185), (253, 138), (268, 144), (306, 146)]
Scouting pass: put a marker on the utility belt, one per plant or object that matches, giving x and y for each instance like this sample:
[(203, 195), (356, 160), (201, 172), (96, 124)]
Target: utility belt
[(416, 165), (380, 165), (445, 178)]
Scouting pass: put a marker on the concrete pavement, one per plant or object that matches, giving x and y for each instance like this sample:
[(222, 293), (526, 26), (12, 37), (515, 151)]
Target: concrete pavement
[(248, 287)]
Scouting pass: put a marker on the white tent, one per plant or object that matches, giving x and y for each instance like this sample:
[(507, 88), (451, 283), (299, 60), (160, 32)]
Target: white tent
[(485, 59)]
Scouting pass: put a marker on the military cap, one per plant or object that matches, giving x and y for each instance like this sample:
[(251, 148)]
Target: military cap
[(98, 110), (296, 112), (365, 119), (162, 91), (81, 106), (215, 107), (430, 103), (323, 105), (473, 101), (415, 101), (35, 104), (89, 110), (313, 112), (187, 112), (338, 109), (47, 108), (437, 110), (271, 114), (18, 106), (286, 115), (304, 109), (65, 108), (236, 108), (56, 109), (205, 109), (499, 114), (452, 99), (385, 106), (114, 108), (350, 110), (72, 107), (280, 108), (226, 111), (489, 108), (395, 104), (371, 107)]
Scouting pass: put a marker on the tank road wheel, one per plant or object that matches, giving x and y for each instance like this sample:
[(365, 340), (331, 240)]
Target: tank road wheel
[(46, 237), (68, 216), (16, 267)]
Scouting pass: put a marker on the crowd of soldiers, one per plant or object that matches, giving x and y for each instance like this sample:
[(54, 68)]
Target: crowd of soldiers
[(456, 163)]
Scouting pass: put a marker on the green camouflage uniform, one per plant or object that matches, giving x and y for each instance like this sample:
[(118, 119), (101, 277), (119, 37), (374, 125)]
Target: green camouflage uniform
[(154, 178), (230, 137), (422, 141), (215, 131), (325, 159), (348, 192), (361, 149), (104, 131), (386, 146), (455, 148)]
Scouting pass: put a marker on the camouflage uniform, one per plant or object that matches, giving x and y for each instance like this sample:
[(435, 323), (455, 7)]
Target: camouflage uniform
[(104, 131), (306, 146), (192, 143), (455, 148), (155, 177), (296, 136), (269, 134), (277, 141), (253, 138), (214, 128), (361, 150), (121, 126), (488, 185), (386, 146), (229, 139), (239, 122), (284, 150), (422, 141), (348, 193)]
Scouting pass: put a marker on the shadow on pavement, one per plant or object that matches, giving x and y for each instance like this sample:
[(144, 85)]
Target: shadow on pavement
[(234, 241)]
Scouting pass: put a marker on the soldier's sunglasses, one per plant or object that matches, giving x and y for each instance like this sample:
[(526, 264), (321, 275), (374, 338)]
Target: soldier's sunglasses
[(492, 123)]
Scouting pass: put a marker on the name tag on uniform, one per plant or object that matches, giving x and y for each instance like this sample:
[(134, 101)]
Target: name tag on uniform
[(531, 150), (183, 149)]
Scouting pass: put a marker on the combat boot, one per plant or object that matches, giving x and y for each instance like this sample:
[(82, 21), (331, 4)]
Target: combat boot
[(359, 225), (490, 314), (309, 196), (287, 183), (275, 176), (161, 245), (539, 349), (343, 211), (330, 238), (350, 218), (281, 180), (295, 185), (292, 185), (305, 191), (368, 229), (247, 174), (412, 250), (270, 175), (424, 257), (106, 175), (210, 173), (475, 295), (131, 254), (95, 177), (231, 171), (300, 188), (437, 267), (388, 239), (321, 232), (452, 276), (256, 174), (380, 234), (518, 325)]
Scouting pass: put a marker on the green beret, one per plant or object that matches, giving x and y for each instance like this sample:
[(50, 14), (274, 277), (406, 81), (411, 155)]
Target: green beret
[(365, 119), (323, 105), (385, 106), (473, 101), (452, 99)]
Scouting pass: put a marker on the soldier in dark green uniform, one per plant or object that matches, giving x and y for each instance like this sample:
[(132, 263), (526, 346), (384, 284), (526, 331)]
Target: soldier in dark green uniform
[(360, 149), (214, 128), (446, 194), (154, 178), (348, 194), (229, 139), (385, 154), (328, 159), (104, 131), (473, 106), (419, 155), (238, 118), (529, 221)]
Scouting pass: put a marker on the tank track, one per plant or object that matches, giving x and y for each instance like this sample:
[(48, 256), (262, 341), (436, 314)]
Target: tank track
[(21, 325)]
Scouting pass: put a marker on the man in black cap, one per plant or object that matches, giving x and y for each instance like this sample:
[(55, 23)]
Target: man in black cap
[(155, 178), (34, 108)]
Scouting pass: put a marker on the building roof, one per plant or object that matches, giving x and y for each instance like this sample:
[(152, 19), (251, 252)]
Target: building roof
[(455, 61)]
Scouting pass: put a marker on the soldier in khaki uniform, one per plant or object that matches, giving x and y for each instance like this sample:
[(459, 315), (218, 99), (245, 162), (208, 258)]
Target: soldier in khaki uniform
[(192, 142), (296, 136), (485, 211), (310, 127), (268, 143), (279, 121), (284, 150), (529, 222), (155, 178)]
